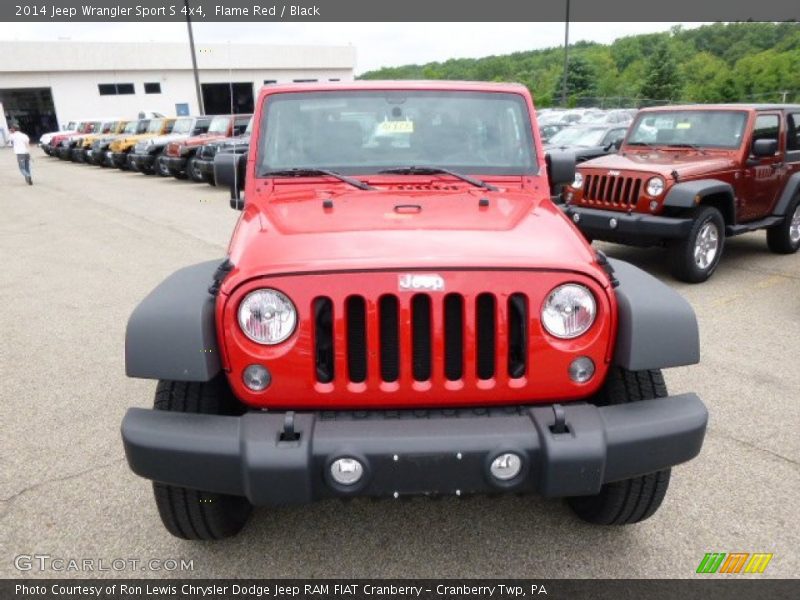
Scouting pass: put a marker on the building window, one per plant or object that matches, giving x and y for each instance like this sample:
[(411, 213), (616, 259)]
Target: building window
[(337, 79), (152, 88), (304, 80), (270, 81), (114, 89)]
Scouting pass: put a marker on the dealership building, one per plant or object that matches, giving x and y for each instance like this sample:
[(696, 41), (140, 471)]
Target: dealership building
[(44, 84)]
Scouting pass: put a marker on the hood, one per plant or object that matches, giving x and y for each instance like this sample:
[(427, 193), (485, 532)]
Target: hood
[(130, 140), (201, 139), (397, 229), (163, 140), (686, 164)]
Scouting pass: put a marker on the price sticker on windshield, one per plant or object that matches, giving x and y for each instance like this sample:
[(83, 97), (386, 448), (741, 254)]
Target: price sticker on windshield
[(684, 125), (396, 127)]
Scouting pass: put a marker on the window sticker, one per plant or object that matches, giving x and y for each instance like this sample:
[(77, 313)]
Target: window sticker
[(684, 125), (396, 127)]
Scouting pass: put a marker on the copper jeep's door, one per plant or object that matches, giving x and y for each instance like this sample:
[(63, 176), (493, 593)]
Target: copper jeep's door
[(763, 174)]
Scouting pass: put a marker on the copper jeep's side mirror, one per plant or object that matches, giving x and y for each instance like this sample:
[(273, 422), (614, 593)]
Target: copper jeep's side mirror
[(560, 167), (765, 147)]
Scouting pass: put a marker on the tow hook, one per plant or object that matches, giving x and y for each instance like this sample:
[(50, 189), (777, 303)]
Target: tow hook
[(560, 420)]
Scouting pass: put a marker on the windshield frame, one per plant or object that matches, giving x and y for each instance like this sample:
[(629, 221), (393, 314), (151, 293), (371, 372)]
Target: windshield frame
[(153, 122), (683, 144), (526, 128), (179, 120)]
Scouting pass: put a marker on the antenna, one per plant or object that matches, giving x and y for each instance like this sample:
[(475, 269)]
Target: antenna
[(233, 122)]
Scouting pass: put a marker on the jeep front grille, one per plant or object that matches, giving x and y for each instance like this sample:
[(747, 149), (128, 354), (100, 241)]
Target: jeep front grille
[(611, 190), (422, 334)]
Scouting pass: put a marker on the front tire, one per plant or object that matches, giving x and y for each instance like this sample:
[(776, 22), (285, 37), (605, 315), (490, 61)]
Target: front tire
[(194, 514), (160, 166), (695, 259), (785, 238), (630, 500), (193, 171)]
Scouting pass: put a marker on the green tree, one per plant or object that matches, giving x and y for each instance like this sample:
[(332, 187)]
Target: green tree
[(581, 79), (662, 79)]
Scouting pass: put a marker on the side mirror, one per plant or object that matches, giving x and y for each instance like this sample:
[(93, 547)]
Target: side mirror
[(618, 143), (229, 171), (762, 148), (560, 167)]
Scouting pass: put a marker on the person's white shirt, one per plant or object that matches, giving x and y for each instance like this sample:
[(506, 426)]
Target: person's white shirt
[(20, 142)]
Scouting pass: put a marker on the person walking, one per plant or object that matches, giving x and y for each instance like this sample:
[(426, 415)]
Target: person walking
[(21, 145)]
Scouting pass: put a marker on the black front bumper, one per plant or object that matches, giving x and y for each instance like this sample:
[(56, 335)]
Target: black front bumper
[(176, 165), (143, 162), (628, 228), (413, 452), (64, 152), (206, 168), (119, 159)]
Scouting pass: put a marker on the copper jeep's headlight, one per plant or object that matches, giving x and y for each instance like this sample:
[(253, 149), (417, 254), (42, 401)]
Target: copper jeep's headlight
[(655, 186), (569, 311), (267, 316)]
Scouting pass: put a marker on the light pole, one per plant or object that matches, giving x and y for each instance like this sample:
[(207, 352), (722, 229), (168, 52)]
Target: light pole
[(194, 60), (566, 59)]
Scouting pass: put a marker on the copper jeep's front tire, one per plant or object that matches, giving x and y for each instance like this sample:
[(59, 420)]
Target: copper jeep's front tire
[(636, 499), (194, 514), (695, 258)]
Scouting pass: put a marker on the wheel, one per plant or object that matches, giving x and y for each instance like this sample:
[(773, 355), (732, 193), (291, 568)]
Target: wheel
[(161, 168), (695, 259), (785, 238), (193, 514), (193, 170), (636, 499)]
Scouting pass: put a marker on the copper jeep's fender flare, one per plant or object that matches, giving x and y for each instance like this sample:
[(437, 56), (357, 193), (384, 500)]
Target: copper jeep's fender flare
[(657, 327), (685, 195), (171, 334), (791, 188)]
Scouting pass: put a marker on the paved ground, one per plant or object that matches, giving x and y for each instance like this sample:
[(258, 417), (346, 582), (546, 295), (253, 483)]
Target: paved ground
[(81, 247)]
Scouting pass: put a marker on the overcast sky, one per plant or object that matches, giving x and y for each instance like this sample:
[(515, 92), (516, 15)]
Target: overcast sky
[(377, 44)]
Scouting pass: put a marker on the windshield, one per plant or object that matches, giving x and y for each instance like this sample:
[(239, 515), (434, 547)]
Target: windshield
[(706, 128), (368, 131), (183, 126), (578, 136), (219, 125), (155, 126), (131, 127)]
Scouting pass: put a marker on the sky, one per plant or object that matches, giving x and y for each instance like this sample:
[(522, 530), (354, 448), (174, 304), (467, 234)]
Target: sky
[(377, 44)]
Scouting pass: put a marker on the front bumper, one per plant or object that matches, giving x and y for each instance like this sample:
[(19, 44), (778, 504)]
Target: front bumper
[(119, 159), (206, 168), (631, 228), (413, 452), (64, 152), (176, 165), (143, 162)]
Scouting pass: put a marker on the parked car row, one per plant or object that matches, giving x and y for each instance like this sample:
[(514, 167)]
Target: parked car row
[(181, 147)]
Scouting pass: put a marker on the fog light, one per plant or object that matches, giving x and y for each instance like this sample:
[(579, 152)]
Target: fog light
[(581, 369), (576, 218), (256, 378), (506, 466), (653, 205), (613, 223), (346, 471)]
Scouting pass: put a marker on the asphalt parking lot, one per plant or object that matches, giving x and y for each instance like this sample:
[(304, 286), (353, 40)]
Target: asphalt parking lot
[(83, 246)]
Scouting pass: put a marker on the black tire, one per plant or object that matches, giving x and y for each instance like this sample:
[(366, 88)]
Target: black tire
[(193, 171), (636, 499), (194, 514), (682, 253), (785, 238), (160, 167)]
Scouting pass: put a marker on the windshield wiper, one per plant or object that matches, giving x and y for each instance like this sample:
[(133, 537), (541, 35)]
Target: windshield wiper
[(436, 170), (686, 145), (648, 144), (299, 172)]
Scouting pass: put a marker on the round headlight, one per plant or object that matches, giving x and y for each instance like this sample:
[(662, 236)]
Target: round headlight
[(655, 186), (267, 316), (569, 311), (577, 183)]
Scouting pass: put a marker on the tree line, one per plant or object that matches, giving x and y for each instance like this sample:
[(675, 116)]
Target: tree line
[(723, 62)]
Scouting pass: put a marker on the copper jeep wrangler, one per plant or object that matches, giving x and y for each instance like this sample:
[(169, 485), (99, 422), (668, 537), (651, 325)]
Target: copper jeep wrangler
[(687, 177)]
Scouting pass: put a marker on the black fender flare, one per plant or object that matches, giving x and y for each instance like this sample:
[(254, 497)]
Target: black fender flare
[(171, 334), (684, 195), (791, 188), (657, 328)]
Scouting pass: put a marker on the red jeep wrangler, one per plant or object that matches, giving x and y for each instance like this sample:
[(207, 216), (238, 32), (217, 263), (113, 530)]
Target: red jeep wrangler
[(403, 310), (689, 176)]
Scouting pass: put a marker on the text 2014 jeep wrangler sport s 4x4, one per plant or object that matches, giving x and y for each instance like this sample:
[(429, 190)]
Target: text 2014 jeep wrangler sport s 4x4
[(688, 176), (402, 311)]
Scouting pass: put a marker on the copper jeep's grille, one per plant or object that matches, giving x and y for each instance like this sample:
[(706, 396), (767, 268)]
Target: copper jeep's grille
[(422, 334), (612, 190)]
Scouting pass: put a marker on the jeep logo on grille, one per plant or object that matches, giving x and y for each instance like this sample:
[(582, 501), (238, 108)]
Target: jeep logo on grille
[(409, 282), (613, 173)]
